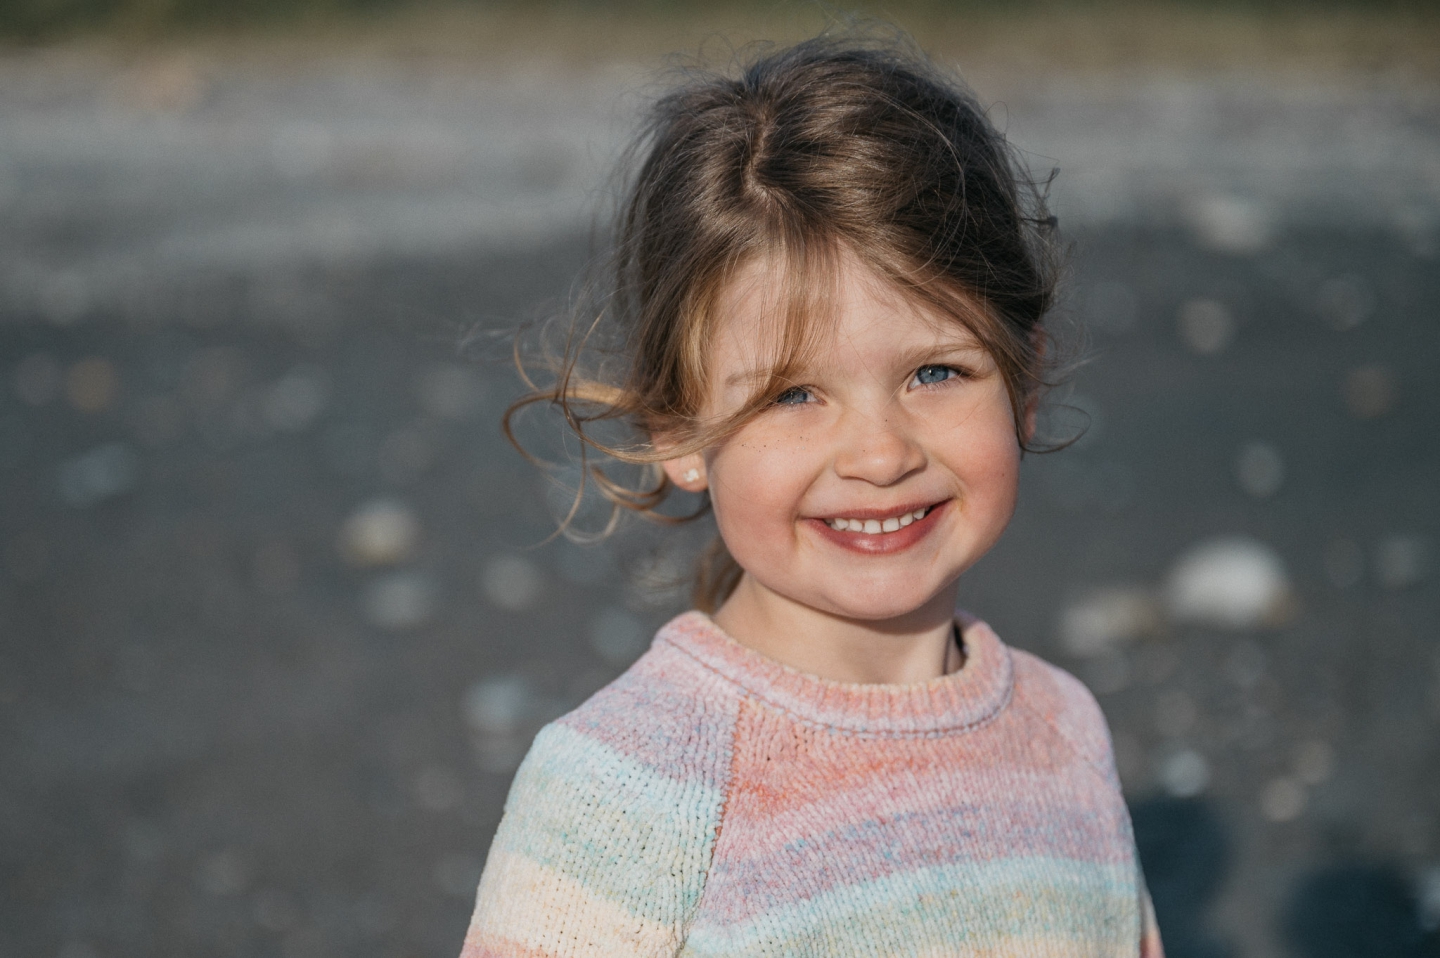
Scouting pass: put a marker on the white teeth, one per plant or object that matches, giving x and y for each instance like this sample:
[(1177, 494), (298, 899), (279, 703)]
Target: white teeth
[(877, 526)]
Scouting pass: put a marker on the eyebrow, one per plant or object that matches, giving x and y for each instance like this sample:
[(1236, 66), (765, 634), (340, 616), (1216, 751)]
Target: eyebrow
[(915, 357)]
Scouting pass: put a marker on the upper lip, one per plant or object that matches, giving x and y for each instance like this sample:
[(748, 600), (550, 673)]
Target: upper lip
[(884, 513)]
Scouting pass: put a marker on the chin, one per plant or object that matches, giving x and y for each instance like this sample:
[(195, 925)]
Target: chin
[(876, 608)]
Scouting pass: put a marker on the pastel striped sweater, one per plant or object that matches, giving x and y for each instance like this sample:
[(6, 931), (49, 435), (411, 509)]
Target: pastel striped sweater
[(712, 802)]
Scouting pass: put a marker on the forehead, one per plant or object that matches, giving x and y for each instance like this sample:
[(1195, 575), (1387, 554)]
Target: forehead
[(765, 316)]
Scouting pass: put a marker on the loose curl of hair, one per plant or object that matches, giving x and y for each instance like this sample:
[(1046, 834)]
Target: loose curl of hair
[(838, 145)]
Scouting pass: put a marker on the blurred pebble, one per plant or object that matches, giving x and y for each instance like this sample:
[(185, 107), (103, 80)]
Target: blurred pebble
[(1282, 800), (381, 532), (1370, 391), (102, 473), (406, 455), (297, 399), (1106, 618), (438, 789), (275, 911), (36, 379), (224, 873), (275, 569), (1345, 302), (1344, 563), (1206, 326), (499, 705), (92, 385), (1401, 561), (448, 391), (617, 636), (1111, 307), (511, 583), (1175, 713), (458, 874), (1184, 774), (1231, 224), (1245, 665), (1229, 583), (400, 601), (1314, 761), (1259, 469)]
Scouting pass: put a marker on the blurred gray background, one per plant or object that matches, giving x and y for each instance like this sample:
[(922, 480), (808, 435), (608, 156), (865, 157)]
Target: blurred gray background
[(278, 615)]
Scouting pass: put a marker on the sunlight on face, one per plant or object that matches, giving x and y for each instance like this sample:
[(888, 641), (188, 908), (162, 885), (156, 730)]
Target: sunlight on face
[(884, 470)]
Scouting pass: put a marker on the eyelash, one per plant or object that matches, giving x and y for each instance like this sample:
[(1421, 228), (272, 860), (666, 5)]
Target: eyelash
[(958, 374)]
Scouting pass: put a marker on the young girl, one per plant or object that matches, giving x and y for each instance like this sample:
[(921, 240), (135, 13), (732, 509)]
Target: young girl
[(830, 281)]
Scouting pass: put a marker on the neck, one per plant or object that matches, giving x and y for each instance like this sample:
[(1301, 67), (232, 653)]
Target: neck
[(915, 647)]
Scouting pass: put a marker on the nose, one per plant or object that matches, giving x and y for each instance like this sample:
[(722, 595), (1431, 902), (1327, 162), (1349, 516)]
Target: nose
[(878, 449)]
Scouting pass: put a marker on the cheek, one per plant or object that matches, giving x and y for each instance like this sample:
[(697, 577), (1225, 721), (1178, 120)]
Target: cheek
[(756, 485), (986, 457)]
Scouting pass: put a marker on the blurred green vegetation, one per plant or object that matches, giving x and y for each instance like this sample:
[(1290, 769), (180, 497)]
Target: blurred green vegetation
[(49, 20)]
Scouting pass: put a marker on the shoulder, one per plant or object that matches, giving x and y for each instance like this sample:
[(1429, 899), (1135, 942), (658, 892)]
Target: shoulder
[(606, 839), (666, 715), (663, 725), (1063, 702)]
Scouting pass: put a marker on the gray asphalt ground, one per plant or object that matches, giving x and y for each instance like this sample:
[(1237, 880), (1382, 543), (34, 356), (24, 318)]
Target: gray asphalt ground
[(276, 621)]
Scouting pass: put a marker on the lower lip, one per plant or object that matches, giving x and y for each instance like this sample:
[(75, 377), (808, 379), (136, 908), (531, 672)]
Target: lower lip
[(885, 543)]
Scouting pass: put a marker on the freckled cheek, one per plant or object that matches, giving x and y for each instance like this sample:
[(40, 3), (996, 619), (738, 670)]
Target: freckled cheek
[(754, 490)]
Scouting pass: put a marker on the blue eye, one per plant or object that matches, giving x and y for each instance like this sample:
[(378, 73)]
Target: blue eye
[(794, 396), (930, 375)]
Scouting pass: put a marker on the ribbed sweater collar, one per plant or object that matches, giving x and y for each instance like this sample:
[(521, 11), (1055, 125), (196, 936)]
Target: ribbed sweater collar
[(948, 704)]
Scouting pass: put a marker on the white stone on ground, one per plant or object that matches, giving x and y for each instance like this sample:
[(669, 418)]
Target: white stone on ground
[(401, 601), (1229, 583), (511, 583), (381, 532)]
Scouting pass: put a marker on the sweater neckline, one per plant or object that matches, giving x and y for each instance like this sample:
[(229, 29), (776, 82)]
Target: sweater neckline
[(964, 699)]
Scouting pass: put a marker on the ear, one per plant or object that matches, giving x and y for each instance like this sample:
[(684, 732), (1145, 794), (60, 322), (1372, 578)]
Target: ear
[(1032, 405), (687, 472), (1032, 410)]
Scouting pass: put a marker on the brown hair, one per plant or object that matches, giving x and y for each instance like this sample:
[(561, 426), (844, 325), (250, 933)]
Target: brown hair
[(861, 145)]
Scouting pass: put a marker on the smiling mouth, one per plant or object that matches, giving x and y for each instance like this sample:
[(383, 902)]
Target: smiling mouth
[(875, 527)]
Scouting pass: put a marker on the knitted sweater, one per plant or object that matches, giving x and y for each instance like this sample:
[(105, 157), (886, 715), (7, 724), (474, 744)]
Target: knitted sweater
[(713, 802)]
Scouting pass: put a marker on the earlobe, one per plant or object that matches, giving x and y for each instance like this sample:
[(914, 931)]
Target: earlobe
[(687, 472)]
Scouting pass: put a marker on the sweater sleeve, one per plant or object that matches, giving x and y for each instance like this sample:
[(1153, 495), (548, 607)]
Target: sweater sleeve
[(598, 854)]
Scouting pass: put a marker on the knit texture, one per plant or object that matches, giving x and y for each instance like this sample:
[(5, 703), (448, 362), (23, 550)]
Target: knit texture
[(713, 802)]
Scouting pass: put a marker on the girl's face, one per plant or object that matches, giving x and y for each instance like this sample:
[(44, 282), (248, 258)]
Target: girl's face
[(887, 470)]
